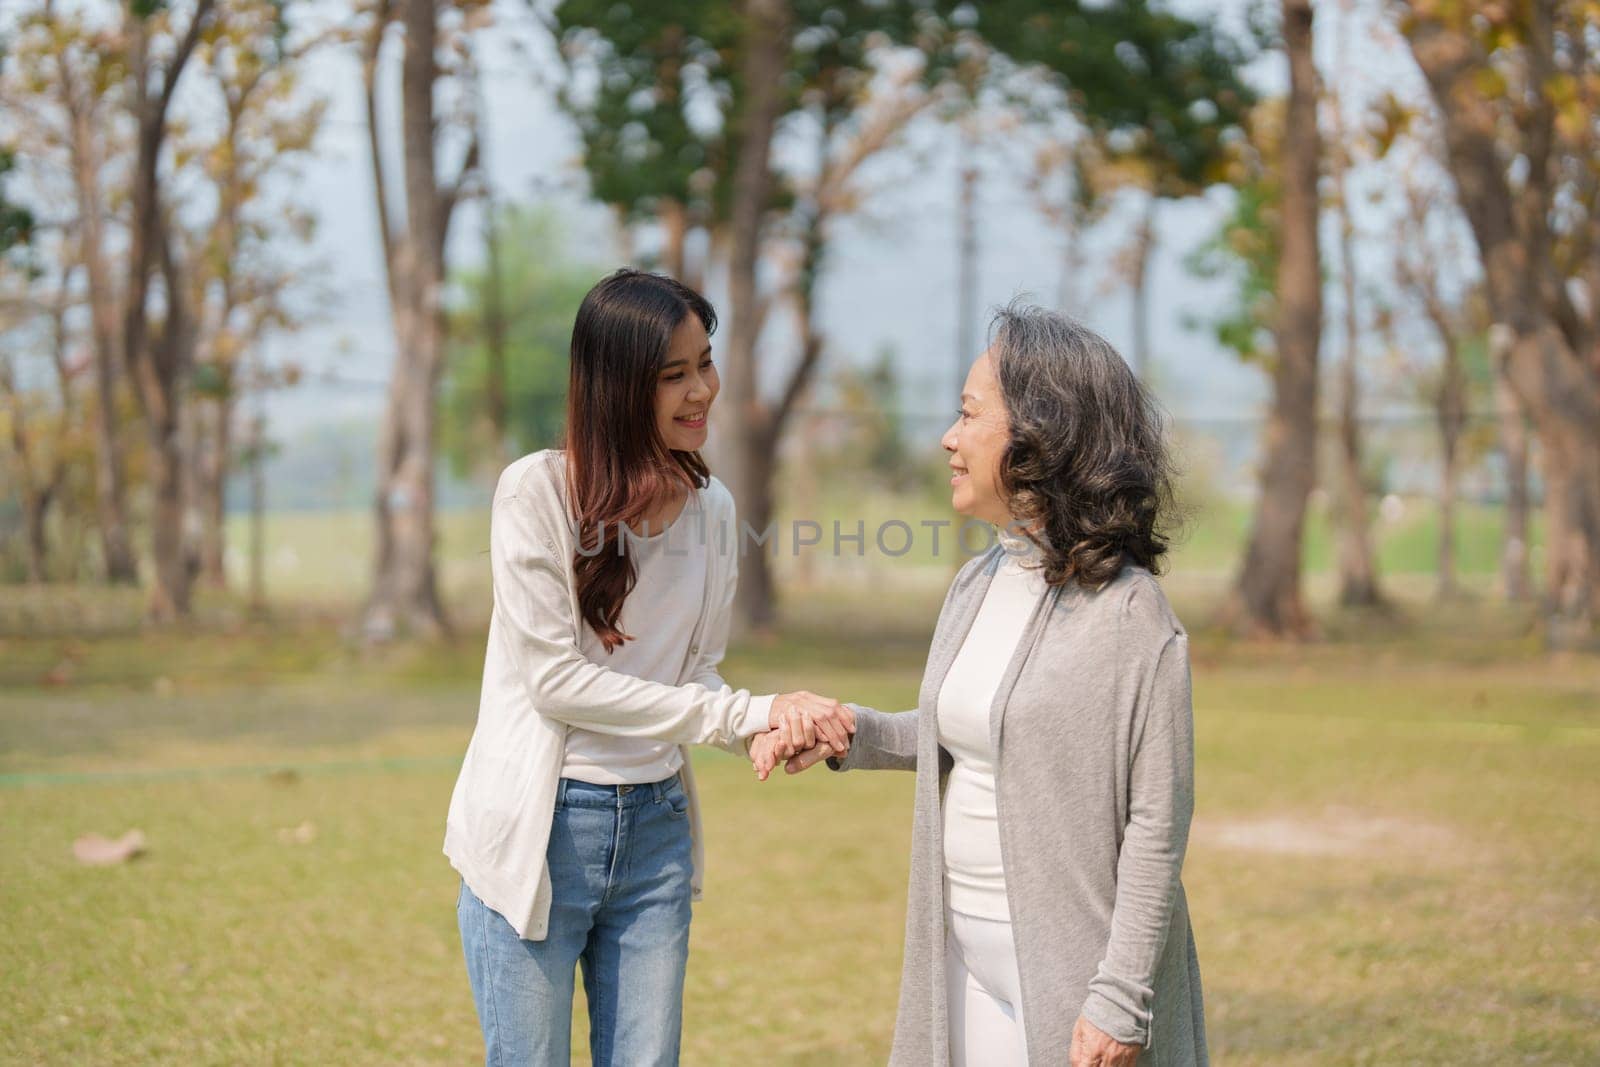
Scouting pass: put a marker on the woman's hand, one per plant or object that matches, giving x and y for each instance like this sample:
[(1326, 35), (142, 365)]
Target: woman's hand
[(769, 749), (1091, 1047), (804, 717), (807, 759)]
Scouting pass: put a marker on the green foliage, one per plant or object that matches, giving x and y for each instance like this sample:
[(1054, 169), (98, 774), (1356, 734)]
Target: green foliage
[(1166, 86), (1244, 253), (650, 61), (16, 221), (649, 66), (540, 292)]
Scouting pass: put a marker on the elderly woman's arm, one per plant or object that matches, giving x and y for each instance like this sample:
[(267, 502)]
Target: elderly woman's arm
[(882, 742), (1161, 802)]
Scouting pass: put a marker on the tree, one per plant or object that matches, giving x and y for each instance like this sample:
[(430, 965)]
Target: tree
[(159, 351), (758, 66), (637, 76), (38, 434), (1429, 277), (1267, 597), (762, 67), (1160, 95), (1515, 546), (1357, 557), (1064, 181), (241, 287), (405, 599), (62, 58), (1517, 87), (540, 289)]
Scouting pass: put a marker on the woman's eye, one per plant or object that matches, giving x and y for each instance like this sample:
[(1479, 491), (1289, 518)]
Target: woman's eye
[(674, 377), (706, 365)]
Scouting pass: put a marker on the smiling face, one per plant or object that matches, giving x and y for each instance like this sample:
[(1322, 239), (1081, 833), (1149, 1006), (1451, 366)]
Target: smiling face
[(976, 444), (685, 387)]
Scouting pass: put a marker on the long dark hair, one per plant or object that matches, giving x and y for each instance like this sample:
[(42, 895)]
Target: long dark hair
[(618, 467), (1088, 462)]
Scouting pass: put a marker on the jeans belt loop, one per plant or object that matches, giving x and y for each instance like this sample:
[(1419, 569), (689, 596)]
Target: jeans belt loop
[(561, 793)]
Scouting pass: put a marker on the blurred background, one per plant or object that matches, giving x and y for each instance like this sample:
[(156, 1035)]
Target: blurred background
[(284, 284)]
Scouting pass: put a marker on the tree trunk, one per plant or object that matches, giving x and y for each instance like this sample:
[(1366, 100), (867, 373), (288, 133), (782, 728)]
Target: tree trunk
[(404, 599), (169, 596), (1143, 250), (110, 493), (750, 469), (675, 230), (258, 515), (34, 492), (1448, 587), (35, 510), (1267, 597), (215, 462), (967, 261), (159, 365), (497, 405), (1358, 564), (1549, 364), (1451, 407), (1515, 546)]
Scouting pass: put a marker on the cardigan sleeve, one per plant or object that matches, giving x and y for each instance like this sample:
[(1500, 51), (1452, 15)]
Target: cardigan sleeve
[(1160, 804), (883, 742), (533, 604)]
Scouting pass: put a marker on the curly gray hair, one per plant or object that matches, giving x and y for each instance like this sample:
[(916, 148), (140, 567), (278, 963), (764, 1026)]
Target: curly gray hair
[(1088, 465)]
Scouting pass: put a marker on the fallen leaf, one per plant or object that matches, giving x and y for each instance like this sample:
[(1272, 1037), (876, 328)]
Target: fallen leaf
[(97, 851), (303, 834)]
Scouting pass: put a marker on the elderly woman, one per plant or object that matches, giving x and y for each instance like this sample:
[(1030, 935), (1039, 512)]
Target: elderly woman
[(1053, 738)]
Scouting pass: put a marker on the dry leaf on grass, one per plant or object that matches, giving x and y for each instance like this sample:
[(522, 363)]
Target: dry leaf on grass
[(98, 851), (303, 834)]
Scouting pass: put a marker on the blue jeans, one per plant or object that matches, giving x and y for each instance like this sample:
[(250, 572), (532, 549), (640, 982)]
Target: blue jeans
[(620, 866)]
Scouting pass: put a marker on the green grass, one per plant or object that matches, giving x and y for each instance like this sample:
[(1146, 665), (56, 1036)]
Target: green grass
[(1393, 858)]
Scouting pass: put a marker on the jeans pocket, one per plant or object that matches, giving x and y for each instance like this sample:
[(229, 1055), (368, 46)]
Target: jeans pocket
[(676, 799)]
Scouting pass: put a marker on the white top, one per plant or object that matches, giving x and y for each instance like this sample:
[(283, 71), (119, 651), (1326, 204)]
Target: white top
[(660, 613), (975, 880), (538, 684)]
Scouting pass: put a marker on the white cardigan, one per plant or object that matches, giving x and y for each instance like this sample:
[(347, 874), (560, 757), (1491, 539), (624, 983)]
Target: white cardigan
[(536, 683)]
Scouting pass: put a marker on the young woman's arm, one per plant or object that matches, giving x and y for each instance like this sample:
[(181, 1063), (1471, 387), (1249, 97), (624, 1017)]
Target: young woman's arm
[(532, 601)]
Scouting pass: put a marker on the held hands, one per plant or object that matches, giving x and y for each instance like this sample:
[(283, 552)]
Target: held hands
[(1091, 1047), (803, 729), (771, 748)]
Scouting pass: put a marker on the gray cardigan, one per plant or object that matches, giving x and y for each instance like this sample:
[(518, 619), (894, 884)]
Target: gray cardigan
[(1094, 742)]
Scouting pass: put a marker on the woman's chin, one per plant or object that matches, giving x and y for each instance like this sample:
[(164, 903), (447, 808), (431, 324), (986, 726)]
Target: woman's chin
[(687, 440)]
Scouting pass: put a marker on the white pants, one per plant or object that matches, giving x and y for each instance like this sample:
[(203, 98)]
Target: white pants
[(984, 993)]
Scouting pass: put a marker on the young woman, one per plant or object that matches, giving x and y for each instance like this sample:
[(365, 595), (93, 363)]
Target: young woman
[(574, 822), (1053, 740)]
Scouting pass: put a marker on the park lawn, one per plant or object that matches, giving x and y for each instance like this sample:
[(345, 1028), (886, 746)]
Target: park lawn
[(1393, 858)]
